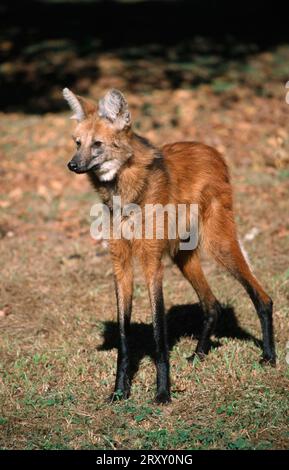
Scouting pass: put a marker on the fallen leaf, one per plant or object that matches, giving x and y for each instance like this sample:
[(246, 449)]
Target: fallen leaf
[(7, 310)]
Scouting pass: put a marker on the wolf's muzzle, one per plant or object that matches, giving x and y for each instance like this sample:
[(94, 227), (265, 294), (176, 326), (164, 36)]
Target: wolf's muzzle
[(73, 166)]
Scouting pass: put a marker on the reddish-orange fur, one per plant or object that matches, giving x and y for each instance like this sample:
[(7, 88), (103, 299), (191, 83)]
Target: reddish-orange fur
[(194, 173), (182, 172)]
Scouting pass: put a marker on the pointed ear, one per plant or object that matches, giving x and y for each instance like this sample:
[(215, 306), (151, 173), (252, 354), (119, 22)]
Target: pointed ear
[(81, 107), (114, 108)]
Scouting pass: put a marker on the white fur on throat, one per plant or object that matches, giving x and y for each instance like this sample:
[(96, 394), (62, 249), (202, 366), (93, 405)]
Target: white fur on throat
[(108, 170)]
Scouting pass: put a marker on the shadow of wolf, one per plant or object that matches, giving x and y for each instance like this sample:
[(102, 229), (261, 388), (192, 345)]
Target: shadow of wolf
[(183, 321)]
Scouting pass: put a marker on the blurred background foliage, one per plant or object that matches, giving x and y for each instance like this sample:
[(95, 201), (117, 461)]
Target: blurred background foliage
[(139, 46)]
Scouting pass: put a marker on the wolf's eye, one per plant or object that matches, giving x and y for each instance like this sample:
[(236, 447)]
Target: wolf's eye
[(78, 143), (96, 144)]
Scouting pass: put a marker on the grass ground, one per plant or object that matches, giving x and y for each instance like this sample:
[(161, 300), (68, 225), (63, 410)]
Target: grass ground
[(57, 308)]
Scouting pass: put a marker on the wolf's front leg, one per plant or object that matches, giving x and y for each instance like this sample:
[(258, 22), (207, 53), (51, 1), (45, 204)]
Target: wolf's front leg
[(154, 275), (123, 287)]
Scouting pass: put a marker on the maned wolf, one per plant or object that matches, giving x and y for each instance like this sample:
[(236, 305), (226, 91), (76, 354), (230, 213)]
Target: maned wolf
[(120, 163)]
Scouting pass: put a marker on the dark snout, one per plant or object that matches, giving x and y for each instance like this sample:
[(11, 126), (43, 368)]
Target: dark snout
[(76, 167), (72, 166)]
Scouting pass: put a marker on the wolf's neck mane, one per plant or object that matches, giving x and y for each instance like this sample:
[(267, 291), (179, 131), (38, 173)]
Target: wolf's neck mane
[(133, 179)]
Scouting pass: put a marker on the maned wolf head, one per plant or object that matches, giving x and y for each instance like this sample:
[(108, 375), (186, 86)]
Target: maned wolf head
[(101, 135)]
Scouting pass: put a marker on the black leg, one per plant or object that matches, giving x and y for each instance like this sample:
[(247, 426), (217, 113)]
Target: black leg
[(264, 310), (122, 383), (160, 336), (211, 316), (190, 266), (265, 313)]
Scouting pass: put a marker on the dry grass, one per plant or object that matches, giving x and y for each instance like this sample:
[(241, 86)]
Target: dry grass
[(56, 294)]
